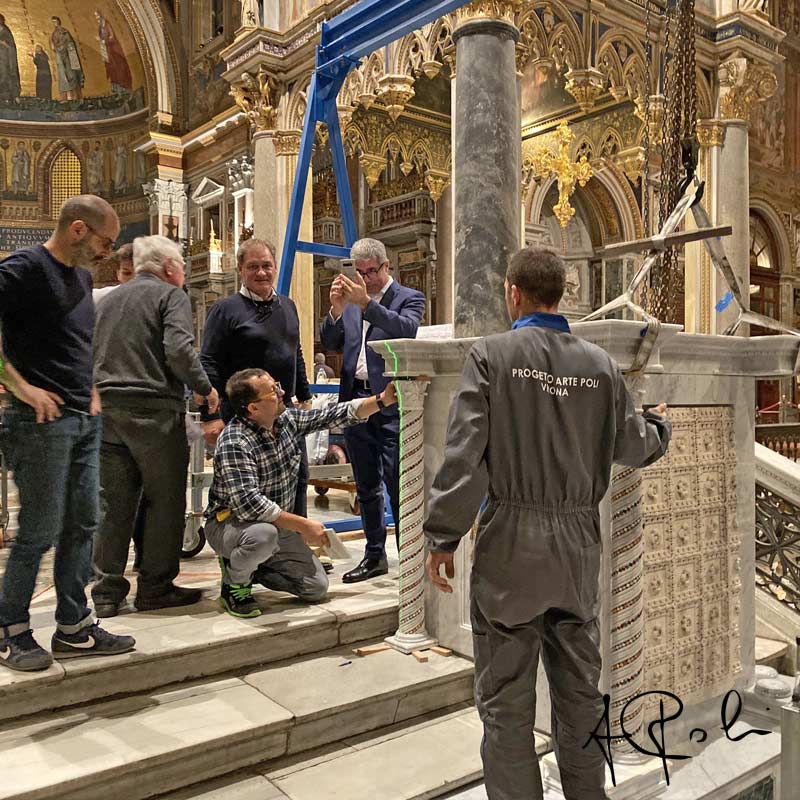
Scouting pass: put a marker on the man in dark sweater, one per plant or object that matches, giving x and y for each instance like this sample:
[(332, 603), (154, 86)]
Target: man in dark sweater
[(140, 375), (51, 434), (256, 329)]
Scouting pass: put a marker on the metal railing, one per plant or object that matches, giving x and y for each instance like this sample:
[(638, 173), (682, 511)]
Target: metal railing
[(783, 438)]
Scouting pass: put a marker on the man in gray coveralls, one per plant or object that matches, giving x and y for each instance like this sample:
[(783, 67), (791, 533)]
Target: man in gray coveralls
[(544, 414)]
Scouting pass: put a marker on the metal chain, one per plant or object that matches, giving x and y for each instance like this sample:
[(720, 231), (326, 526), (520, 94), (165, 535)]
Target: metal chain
[(648, 88), (679, 123)]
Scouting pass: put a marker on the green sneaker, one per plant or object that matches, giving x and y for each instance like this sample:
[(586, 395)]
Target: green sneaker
[(237, 600)]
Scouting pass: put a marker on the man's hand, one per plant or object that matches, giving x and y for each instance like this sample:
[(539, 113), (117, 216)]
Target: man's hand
[(45, 404), (661, 409), (337, 298), (355, 292), (432, 564), (95, 406), (211, 431), (313, 533), (389, 394), (211, 400)]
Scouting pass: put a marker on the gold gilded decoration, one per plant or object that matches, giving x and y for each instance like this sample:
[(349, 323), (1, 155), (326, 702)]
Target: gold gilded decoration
[(373, 166), (394, 91), (711, 132), (214, 244), (258, 97), (742, 85), (656, 113), (489, 9), (287, 143), (436, 180), (546, 162), (585, 85)]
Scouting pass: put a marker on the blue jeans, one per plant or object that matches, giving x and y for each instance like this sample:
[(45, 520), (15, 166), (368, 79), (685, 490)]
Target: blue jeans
[(56, 469)]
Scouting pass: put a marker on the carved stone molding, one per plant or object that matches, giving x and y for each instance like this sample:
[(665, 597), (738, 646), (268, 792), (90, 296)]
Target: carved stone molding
[(631, 161), (258, 96), (436, 180), (585, 85), (742, 85), (711, 132), (287, 143), (394, 91), (372, 166), (503, 10)]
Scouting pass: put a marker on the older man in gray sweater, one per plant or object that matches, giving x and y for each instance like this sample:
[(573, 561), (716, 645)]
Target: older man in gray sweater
[(144, 356)]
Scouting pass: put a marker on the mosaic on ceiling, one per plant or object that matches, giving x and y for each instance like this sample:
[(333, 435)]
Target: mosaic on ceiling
[(67, 61)]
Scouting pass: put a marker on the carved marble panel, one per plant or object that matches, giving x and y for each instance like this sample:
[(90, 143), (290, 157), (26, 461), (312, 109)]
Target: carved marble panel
[(692, 564)]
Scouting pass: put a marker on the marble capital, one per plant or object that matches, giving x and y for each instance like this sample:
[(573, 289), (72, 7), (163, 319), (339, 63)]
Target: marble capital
[(503, 10), (287, 143), (711, 132), (744, 83)]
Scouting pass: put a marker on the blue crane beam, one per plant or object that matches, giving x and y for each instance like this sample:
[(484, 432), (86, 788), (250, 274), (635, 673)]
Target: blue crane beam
[(360, 30)]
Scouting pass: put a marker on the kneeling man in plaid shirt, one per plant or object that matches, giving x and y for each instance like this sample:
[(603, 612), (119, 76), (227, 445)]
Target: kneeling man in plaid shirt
[(256, 467)]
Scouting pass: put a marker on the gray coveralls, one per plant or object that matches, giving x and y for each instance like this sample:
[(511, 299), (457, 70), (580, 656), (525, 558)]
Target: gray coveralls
[(536, 424)]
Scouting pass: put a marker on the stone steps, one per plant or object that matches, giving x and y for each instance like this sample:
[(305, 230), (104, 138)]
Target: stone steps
[(177, 645), (423, 758), (156, 741), (771, 653)]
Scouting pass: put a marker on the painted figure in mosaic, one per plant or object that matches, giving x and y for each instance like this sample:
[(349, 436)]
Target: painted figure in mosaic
[(69, 69), (44, 75), (538, 485), (121, 167), (9, 66), (250, 14), (95, 169), (117, 69), (20, 169)]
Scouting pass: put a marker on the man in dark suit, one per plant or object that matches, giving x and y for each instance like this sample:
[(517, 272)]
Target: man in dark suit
[(371, 308)]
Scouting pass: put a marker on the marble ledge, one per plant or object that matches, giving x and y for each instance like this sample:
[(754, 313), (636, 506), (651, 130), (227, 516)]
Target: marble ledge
[(674, 352)]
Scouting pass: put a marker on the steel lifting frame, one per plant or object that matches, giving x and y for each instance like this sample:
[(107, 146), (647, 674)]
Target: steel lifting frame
[(350, 36)]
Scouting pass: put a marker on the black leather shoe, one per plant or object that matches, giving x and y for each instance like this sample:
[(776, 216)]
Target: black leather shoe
[(174, 597), (368, 568)]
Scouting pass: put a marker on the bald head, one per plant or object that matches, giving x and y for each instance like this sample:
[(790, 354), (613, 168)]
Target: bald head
[(86, 231)]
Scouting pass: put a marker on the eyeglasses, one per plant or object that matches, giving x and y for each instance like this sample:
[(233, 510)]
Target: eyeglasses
[(276, 389), (111, 244), (371, 272)]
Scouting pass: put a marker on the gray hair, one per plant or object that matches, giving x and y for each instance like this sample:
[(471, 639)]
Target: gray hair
[(150, 252), (249, 244), (366, 249)]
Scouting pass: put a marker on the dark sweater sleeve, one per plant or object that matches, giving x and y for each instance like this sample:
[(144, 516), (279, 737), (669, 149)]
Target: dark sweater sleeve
[(12, 281), (182, 359), (213, 354), (302, 392)]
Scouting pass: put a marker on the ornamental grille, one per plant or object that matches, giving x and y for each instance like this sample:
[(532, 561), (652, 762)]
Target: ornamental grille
[(65, 179)]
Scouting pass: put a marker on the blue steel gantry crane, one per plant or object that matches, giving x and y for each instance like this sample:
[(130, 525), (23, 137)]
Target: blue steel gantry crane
[(350, 36)]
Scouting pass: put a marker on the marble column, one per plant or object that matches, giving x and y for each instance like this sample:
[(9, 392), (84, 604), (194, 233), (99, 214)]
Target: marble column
[(169, 207), (486, 165), (701, 277), (733, 208), (444, 247), (275, 162)]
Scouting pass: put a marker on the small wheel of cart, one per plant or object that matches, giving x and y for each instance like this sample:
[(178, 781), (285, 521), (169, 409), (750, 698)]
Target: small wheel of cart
[(194, 538), (321, 489)]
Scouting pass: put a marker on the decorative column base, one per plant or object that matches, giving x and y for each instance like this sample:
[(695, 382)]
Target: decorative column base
[(407, 643), (636, 778), (411, 634)]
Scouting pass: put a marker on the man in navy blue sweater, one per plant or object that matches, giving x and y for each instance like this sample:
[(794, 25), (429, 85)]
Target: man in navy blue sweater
[(255, 329), (51, 433)]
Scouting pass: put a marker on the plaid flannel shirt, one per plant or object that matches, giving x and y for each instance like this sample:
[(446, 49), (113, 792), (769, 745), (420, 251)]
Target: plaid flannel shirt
[(256, 470)]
